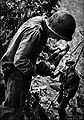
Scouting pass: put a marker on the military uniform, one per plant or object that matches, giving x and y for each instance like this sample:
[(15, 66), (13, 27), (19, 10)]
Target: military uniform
[(23, 51)]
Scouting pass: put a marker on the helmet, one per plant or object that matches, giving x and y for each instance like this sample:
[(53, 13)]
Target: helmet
[(63, 24)]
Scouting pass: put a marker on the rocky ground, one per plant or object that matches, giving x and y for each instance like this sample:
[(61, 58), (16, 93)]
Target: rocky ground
[(48, 95)]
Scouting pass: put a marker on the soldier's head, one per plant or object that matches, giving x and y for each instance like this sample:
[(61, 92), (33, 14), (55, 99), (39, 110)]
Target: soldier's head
[(61, 25)]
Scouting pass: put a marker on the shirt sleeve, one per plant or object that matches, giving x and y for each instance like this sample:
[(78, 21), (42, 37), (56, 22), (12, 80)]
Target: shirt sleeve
[(27, 47)]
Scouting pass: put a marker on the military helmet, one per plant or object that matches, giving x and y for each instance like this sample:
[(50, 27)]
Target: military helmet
[(63, 24)]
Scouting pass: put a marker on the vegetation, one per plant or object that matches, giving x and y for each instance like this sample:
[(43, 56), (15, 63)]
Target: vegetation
[(13, 14)]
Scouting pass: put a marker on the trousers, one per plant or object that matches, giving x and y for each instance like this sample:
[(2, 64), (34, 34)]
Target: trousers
[(16, 89)]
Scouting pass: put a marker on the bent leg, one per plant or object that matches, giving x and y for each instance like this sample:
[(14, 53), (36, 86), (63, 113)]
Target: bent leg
[(17, 87)]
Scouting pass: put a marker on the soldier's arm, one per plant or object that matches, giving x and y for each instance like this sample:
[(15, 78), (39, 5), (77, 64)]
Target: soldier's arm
[(58, 52), (28, 45)]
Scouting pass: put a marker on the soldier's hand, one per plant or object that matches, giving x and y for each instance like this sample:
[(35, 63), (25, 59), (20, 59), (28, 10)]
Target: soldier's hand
[(65, 50), (54, 55)]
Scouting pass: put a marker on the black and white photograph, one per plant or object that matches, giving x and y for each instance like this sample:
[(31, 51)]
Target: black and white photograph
[(41, 59)]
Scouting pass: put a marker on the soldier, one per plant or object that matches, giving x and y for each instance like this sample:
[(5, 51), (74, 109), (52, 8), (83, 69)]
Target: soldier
[(70, 82), (23, 51)]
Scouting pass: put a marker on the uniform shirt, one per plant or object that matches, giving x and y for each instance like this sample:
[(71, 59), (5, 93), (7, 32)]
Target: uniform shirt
[(26, 44)]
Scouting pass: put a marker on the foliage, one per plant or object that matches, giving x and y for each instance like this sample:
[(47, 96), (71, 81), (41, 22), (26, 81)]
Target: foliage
[(15, 12)]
